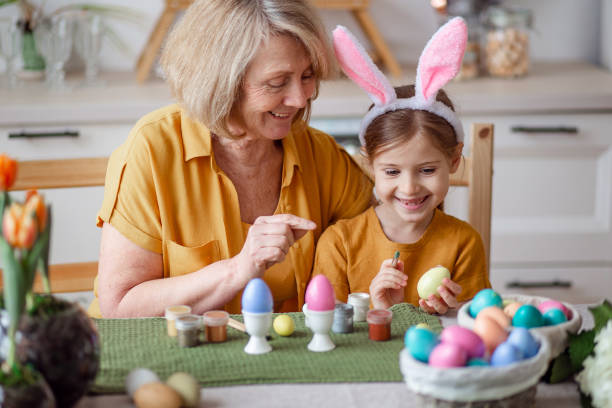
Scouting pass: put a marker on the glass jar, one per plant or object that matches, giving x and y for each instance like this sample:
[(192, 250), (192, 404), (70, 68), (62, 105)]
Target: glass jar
[(506, 41), (470, 65)]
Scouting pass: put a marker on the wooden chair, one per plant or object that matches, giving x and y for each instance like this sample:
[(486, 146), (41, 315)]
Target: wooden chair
[(358, 8), (64, 173), (476, 173)]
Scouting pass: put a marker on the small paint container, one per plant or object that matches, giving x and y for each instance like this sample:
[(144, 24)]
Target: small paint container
[(188, 329), (361, 305), (215, 322), (343, 318), (172, 313), (379, 322)]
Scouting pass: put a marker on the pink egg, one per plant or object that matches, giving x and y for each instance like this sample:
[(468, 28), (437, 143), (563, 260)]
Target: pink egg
[(465, 338), (554, 304), (448, 355), (511, 309), (320, 294), (496, 314), (491, 332)]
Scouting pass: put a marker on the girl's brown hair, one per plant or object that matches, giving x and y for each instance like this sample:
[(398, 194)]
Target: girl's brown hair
[(403, 124)]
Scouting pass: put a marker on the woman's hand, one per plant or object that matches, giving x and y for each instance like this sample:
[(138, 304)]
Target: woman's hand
[(268, 242), (448, 292), (387, 287)]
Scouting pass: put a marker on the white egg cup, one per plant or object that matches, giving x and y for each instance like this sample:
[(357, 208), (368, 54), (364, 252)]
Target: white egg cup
[(305, 311), (320, 322), (257, 326)]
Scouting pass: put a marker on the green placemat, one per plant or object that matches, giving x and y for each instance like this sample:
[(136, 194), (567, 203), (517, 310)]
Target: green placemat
[(130, 343)]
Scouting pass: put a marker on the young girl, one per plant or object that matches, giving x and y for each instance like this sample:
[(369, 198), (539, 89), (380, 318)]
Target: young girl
[(413, 142)]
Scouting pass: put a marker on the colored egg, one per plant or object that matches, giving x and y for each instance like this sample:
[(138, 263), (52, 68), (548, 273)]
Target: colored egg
[(511, 309), (520, 338), (283, 325), (506, 354), (506, 302), (420, 342), (463, 337), (477, 362), (137, 378), (527, 316), (320, 294), (430, 280), (484, 298), (491, 333), (256, 297), (554, 316), (554, 304), (448, 355), (187, 387), (496, 314), (157, 395)]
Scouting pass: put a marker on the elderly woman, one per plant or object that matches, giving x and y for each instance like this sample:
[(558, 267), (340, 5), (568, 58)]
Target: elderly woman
[(230, 184)]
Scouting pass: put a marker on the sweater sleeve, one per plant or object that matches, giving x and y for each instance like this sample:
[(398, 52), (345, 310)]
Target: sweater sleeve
[(331, 261), (470, 268)]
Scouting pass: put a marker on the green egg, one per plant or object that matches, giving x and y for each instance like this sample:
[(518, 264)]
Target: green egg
[(187, 387)]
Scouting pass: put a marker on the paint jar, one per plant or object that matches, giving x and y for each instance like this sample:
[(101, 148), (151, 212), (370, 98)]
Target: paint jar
[(361, 305), (215, 322), (379, 321), (188, 329), (343, 318), (172, 313)]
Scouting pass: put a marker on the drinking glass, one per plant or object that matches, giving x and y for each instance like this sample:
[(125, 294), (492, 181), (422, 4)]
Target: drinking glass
[(88, 42), (10, 46), (54, 41)]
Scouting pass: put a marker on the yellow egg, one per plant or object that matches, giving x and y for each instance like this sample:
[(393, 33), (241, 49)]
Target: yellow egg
[(423, 326), (430, 280), (187, 387), (156, 395), (284, 325)]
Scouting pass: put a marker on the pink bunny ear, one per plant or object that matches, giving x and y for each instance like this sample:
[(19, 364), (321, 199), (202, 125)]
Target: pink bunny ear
[(358, 66), (441, 59)]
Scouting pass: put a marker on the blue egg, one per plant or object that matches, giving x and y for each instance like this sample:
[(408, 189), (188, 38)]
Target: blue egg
[(477, 362), (420, 342), (523, 340), (505, 354), (257, 297), (527, 316), (485, 298), (554, 316)]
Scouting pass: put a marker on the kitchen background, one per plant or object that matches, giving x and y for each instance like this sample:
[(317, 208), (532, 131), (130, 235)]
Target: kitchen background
[(552, 191)]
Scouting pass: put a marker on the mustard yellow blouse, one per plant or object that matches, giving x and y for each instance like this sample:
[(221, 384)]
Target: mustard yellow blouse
[(165, 192), (350, 253)]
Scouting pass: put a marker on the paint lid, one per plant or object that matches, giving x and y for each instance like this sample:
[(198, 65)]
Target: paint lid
[(187, 321), (359, 299), (379, 316), (343, 310), (172, 312), (216, 318)]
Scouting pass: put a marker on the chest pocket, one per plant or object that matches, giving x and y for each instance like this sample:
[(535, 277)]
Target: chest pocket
[(180, 260)]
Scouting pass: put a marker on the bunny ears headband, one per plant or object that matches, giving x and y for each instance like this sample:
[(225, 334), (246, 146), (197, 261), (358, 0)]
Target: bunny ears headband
[(439, 63)]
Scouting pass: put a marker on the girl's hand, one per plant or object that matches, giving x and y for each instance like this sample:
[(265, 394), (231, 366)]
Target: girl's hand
[(268, 242), (448, 292), (387, 287)]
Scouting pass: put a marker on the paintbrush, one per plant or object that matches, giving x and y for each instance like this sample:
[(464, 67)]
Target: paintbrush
[(395, 259)]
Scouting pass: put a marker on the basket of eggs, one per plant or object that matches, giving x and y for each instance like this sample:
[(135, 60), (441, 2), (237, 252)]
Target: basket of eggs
[(550, 318), (461, 368)]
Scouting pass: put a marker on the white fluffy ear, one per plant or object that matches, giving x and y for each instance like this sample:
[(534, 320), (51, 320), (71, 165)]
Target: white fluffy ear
[(358, 66), (441, 59)]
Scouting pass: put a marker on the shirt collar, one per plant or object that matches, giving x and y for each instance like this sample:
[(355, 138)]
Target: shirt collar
[(197, 143)]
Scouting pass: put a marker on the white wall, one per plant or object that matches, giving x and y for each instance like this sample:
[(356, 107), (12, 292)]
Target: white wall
[(564, 29)]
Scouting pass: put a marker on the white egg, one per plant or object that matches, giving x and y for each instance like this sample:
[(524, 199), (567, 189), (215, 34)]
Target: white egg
[(137, 378)]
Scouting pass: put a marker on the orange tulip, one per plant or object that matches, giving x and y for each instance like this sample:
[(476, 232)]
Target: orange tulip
[(35, 203), (8, 172), (19, 227)]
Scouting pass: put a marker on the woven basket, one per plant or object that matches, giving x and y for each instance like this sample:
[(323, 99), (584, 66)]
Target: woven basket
[(511, 386), (557, 335)]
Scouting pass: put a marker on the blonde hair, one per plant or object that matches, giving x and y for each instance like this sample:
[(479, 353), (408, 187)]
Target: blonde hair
[(206, 55)]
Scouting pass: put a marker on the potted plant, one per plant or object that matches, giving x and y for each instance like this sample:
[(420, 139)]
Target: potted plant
[(45, 334)]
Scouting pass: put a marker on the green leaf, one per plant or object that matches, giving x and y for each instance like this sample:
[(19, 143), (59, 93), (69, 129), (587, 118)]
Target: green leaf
[(5, 2), (31, 261), (560, 369), (14, 283), (580, 347), (601, 315)]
